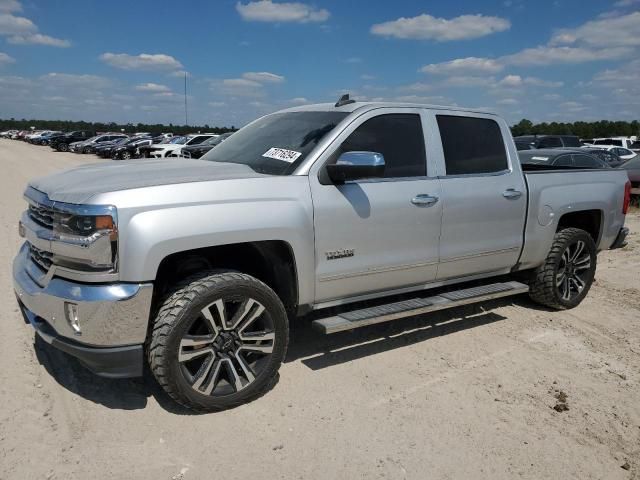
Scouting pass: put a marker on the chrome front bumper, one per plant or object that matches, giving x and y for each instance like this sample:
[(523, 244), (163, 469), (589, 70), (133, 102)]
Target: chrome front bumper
[(109, 315)]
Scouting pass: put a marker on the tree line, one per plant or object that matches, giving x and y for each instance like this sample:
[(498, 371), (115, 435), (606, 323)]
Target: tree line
[(68, 125), (601, 128)]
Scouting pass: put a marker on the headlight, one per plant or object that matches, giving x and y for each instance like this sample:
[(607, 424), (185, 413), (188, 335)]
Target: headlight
[(84, 240)]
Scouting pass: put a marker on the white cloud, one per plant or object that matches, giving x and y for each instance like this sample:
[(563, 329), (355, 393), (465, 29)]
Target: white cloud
[(10, 6), (366, 76), (22, 31), (508, 101), (152, 87), (12, 25), (626, 3), (416, 87), (180, 74), (547, 55), (469, 65), (427, 27), (263, 77), (353, 60), (621, 31), (39, 39), (551, 96), (268, 11), (6, 59), (468, 81), (67, 80), (298, 101), (573, 106), (144, 61), (514, 81)]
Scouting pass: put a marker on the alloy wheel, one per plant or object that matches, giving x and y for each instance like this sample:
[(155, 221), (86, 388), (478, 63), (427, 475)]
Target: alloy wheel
[(573, 270), (226, 346)]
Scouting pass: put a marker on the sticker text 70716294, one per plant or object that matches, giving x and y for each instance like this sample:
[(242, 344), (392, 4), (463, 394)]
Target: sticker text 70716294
[(283, 154)]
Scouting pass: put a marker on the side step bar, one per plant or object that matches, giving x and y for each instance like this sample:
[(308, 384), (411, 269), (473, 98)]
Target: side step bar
[(416, 306)]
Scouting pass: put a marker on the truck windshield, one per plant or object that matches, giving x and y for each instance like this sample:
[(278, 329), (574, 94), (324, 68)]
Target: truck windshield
[(278, 143)]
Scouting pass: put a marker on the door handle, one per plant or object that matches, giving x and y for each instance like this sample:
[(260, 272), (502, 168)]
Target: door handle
[(424, 200), (511, 193)]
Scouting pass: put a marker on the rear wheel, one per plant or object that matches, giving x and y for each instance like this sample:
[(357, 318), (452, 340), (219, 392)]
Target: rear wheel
[(218, 341), (565, 278), (63, 147)]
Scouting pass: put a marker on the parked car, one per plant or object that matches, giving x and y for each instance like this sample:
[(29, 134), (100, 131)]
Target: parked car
[(8, 133), (624, 142), (198, 266), (561, 158), (623, 153), (61, 142), (170, 148), (633, 171), (89, 145), (130, 149), (549, 141), (524, 146), (197, 151), (104, 149), (45, 138), (609, 156)]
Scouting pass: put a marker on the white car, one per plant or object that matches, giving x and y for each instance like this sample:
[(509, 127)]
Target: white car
[(172, 148), (623, 153), (624, 142)]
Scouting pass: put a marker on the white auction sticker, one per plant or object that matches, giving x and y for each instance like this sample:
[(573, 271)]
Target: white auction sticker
[(283, 154)]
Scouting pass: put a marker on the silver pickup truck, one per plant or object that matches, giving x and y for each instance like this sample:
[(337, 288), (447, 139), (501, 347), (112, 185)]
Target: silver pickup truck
[(197, 266)]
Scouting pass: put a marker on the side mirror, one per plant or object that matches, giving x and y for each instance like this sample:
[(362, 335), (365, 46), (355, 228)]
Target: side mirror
[(355, 165)]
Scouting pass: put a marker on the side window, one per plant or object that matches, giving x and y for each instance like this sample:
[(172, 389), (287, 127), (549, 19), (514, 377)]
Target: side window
[(398, 137), (586, 161), (472, 145), (563, 161), (623, 151), (616, 142), (550, 142)]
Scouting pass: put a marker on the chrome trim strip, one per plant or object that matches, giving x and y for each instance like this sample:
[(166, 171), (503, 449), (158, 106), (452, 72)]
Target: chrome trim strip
[(413, 288), (481, 254), (373, 271)]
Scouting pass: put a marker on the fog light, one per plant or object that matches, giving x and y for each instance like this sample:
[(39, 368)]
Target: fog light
[(71, 311)]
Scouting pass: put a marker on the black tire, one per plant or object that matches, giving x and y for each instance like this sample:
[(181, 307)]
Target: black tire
[(182, 312), (86, 150), (125, 155), (63, 147), (548, 286)]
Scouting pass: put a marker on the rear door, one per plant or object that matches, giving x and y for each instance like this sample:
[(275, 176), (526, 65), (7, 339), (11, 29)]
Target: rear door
[(484, 196), (377, 234)]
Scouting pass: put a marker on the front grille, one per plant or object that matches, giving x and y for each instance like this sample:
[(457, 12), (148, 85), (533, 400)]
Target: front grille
[(42, 258), (41, 215)]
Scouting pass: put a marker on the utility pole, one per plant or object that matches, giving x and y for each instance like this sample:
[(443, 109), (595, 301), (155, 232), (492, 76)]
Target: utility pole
[(186, 112)]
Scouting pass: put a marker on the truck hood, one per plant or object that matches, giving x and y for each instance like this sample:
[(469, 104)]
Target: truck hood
[(78, 185)]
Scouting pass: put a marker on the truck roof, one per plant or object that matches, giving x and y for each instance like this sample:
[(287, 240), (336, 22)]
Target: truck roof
[(364, 106)]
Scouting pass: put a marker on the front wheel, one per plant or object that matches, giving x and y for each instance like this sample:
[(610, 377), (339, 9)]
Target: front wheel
[(564, 279), (218, 340), (125, 155), (63, 147)]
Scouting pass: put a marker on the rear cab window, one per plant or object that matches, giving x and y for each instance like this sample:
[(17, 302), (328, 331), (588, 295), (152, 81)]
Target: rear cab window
[(472, 145)]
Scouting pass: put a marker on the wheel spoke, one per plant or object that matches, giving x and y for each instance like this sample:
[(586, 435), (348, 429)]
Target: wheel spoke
[(583, 263), (245, 368), (258, 336), (196, 340), (206, 313), (212, 381), (249, 310), (256, 348), (203, 372), (233, 374), (578, 250), (578, 282), (185, 356), (565, 288)]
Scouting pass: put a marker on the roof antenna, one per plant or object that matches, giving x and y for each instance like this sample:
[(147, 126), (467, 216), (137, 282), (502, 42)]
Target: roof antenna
[(344, 100)]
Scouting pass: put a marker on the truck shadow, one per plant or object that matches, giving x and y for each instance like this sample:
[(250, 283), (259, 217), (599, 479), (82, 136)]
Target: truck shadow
[(318, 351), (314, 350)]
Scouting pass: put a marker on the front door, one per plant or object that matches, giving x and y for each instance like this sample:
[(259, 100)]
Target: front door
[(377, 234)]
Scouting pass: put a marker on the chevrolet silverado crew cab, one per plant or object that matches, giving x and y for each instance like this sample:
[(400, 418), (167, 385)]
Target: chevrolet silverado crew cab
[(197, 267)]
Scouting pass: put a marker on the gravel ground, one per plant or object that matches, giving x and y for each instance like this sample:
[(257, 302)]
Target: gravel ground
[(501, 390)]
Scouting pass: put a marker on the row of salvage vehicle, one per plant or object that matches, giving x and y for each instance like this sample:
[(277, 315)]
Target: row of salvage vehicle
[(120, 146)]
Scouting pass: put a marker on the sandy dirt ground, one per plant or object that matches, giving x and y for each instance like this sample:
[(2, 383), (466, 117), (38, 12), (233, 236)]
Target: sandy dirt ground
[(467, 393)]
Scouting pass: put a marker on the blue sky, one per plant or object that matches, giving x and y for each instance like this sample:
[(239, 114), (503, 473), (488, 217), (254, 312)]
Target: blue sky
[(562, 60)]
